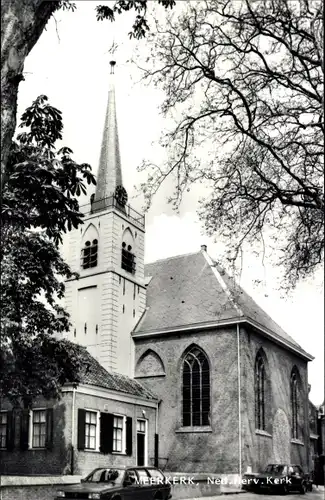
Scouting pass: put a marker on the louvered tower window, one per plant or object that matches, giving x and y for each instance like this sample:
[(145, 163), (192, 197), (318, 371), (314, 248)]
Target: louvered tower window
[(196, 389), (89, 254), (128, 258), (259, 393)]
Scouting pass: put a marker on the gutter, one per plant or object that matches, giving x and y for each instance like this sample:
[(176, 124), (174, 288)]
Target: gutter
[(156, 444), (227, 322), (239, 403), (73, 428)]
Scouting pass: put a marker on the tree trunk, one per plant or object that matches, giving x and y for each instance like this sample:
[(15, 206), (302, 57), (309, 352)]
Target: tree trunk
[(22, 23)]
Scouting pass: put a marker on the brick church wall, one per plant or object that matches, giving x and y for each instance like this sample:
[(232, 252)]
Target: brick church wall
[(216, 449), (259, 449)]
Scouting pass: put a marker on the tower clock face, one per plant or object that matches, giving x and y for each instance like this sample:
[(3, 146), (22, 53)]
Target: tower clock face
[(121, 195)]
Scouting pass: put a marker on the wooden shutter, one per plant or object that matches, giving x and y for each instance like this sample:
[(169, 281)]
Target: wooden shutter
[(106, 432), (24, 429), (49, 429), (156, 450), (129, 436), (81, 429), (10, 437)]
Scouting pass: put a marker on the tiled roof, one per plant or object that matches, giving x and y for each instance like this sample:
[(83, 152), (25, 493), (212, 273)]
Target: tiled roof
[(95, 374), (191, 289)]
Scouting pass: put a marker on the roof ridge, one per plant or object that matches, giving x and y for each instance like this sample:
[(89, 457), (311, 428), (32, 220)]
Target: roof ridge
[(173, 257), (213, 265), (243, 289)]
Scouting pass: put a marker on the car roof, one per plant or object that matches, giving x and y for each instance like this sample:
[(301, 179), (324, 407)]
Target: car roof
[(126, 467), (290, 465)]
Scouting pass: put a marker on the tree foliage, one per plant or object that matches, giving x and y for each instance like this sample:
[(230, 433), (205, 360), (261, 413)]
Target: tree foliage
[(22, 24), (39, 204), (245, 82)]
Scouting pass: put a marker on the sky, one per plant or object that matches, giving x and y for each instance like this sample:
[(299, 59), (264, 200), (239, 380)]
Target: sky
[(70, 64)]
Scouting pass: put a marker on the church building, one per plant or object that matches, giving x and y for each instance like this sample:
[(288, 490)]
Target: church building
[(182, 369)]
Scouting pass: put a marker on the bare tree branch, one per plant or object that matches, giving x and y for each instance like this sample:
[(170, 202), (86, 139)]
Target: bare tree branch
[(245, 79)]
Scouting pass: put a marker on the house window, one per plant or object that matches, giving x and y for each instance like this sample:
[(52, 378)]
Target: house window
[(118, 434), (104, 432), (38, 428), (91, 430), (196, 389), (294, 405), (89, 254), (128, 258), (259, 393), (141, 426), (3, 429)]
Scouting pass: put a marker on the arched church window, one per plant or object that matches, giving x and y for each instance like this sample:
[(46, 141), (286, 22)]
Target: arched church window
[(89, 255), (128, 258), (294, 390), (260, 392), (196, 389)]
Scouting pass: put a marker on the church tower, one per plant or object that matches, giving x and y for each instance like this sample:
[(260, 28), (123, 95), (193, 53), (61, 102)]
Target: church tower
[(107, 251)]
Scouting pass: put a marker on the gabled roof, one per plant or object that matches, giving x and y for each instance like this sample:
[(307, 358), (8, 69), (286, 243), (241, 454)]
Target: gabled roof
[(94, 374), (193, 291)]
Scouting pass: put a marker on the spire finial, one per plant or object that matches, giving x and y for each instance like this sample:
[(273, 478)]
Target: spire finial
[(112, 64)]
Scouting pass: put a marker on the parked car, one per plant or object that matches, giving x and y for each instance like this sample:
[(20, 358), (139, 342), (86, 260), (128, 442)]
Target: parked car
[(134, 483), (279, 477)]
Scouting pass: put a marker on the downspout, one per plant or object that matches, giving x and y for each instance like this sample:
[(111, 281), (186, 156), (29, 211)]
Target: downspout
[(73, 427), (156, 459), (239, 404)]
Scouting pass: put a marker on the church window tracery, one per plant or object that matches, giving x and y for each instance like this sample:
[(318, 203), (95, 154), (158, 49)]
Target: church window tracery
[(260, 392), (196, 388)]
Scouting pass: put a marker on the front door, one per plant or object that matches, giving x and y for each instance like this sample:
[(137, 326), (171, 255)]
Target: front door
[(142, 442)]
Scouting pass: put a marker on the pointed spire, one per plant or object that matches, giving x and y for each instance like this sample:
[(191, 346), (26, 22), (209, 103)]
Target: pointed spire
[(109, 171)]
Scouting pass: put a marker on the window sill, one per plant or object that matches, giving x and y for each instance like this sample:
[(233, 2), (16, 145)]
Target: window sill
[(119, 453), (205, 428), (259, 432), (297, 441), (90, 451)]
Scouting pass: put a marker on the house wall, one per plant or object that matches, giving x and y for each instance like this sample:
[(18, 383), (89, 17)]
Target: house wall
[(41, 461), (215, 449), (64, 457), (86, 461)]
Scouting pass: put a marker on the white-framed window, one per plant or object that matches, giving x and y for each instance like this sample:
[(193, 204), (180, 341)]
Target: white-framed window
[(92, 430), (3, 429), (37, 428), (119, 434), (141, 426)]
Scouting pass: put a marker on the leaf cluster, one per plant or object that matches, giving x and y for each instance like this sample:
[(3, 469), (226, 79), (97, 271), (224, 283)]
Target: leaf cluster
[(43, 184), (140, 26), (39, 204)]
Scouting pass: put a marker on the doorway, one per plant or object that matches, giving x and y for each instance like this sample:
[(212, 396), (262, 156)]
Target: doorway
[(142, 442)]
